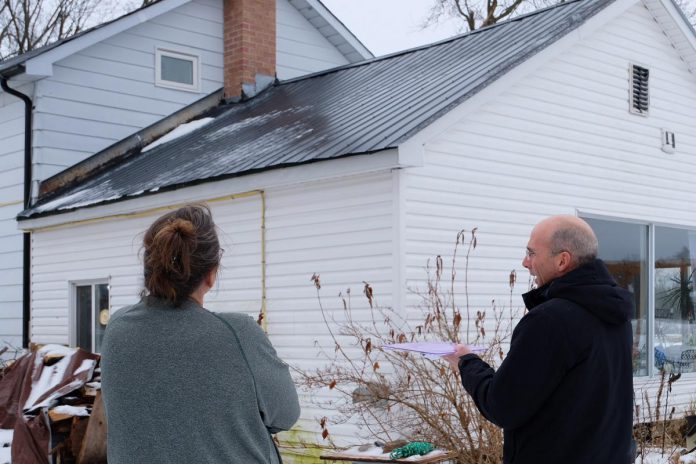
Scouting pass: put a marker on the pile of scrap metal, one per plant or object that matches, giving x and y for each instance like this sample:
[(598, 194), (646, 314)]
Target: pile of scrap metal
[(50, 397)]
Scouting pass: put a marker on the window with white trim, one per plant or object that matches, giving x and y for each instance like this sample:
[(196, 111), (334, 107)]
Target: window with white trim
[(656, 263), (91, 314), (177, 70)]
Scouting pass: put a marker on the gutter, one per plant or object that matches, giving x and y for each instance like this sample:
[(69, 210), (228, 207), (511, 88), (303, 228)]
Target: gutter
[(26, 248)]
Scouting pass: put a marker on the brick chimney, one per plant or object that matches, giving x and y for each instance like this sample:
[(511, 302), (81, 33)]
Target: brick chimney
[(249, 46)]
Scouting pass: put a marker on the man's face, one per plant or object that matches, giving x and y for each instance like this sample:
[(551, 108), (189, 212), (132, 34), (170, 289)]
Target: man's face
[(539, 258)]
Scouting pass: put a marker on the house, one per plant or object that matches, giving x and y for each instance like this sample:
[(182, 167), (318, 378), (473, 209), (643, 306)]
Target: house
[(364, 171), (82, 94)]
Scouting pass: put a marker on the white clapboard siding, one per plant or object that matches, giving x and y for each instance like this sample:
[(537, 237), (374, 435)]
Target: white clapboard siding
[(111, 249), (342, 231), (106, 92), (339, 229), (11, 198), (559, 141), (10, 276), (300, 47)]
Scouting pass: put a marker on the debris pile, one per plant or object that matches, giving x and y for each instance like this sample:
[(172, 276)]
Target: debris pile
[(51, 401)]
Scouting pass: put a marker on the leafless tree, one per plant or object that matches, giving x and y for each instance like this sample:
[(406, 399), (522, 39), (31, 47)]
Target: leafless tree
[(29, 24), (476, 14)]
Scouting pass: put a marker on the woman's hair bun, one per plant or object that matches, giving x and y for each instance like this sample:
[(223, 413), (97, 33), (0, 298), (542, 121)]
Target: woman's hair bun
[(184, 228)]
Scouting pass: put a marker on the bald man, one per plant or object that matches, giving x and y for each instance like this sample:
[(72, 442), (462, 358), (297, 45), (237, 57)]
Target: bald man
[(564, 393)]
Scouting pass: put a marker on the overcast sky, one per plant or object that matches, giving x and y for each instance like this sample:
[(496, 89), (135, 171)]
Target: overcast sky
[(386, 26)]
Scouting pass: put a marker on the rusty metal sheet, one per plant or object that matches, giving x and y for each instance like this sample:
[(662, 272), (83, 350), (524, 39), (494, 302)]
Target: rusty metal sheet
[(30, 386)]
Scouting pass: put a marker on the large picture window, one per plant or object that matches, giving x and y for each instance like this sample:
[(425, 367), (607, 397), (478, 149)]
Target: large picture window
[(656, 264), (91, 310)]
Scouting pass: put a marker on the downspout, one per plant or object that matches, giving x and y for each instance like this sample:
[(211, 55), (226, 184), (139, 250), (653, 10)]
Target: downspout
[(26, 248)]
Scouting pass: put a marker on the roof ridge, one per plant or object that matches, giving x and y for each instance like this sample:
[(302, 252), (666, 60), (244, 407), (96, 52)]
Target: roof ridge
[(562, 3)]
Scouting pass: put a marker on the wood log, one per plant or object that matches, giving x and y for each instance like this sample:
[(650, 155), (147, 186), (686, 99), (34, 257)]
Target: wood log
[(93, 449)]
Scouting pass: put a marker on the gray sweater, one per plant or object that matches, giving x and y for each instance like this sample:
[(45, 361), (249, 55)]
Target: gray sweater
[(180, 387)]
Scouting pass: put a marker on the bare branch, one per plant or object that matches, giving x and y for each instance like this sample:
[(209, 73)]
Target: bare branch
[(29, 24)]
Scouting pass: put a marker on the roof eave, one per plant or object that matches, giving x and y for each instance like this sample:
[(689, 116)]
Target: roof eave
[(41, 64), (350, 40), (214, 188)]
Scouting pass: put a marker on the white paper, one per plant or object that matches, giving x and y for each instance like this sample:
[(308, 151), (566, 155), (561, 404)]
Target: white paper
[(430, 350)]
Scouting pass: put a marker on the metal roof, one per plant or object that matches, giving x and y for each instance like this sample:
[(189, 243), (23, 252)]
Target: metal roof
[(354, 109)]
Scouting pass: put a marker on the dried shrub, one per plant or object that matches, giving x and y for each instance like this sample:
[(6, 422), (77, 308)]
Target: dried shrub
[(393, 395), (657, 424)]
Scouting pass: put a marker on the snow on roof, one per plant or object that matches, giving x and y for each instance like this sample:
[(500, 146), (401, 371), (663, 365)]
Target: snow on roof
[(72, 410), (183, 129)]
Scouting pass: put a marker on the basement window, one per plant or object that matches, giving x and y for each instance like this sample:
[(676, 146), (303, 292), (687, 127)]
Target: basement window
[(639, 91), (177, 70)]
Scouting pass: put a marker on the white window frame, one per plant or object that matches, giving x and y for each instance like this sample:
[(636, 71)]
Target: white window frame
[(73, 284), (180, 55)]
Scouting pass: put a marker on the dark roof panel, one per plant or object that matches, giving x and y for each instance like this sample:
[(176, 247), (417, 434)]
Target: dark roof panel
[(354, 109)]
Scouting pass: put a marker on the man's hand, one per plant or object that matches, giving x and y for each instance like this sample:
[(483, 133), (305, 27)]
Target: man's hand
[(453, 359)]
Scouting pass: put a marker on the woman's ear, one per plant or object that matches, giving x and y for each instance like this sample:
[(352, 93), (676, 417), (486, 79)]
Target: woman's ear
[(211, 278)]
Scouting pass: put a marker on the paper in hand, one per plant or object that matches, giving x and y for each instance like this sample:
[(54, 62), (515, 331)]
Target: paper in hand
[(431, 350)]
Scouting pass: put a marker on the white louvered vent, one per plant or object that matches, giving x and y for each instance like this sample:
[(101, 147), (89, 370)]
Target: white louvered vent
[(639, 91)]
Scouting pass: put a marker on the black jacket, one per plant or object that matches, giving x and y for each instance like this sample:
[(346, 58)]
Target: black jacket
[(564, 393)]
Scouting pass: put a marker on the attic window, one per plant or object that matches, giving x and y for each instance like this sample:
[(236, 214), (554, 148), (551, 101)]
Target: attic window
[(639, 92), (177, 70)]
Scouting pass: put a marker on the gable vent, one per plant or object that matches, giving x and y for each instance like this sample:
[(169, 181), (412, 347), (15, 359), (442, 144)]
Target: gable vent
[(640, 97)]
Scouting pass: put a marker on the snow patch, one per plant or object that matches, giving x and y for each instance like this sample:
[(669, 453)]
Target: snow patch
[(179, 131), (86, 365), (71, 410), (6, 437), (55, 350), (5, 446), (653, 456)]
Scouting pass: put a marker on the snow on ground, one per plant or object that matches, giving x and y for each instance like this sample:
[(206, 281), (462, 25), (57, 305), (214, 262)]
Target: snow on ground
[(656, 457), (5, 442)]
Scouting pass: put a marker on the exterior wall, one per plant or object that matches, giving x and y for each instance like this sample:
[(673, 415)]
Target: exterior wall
[(559, 141), (11, 203), (300, 47), (341, 229), (106, 92)]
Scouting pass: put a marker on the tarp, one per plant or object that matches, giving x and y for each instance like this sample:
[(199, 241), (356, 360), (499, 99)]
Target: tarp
[(29, 386)]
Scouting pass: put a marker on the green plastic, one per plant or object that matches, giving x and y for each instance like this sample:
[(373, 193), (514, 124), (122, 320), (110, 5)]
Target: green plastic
[(412, 449)]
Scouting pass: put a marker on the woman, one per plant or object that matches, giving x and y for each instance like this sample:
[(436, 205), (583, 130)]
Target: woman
[(182, 384)]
